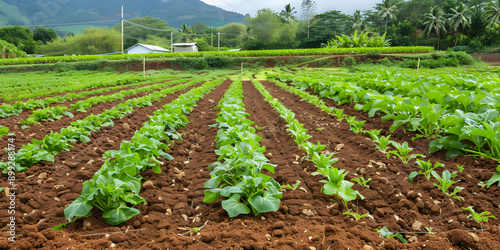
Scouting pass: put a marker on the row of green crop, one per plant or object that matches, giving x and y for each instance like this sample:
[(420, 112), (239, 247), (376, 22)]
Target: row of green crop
[(7, 110), (55, 113), (36, 84), (118, 182), (334, 178), (258, 53), (54, 143), (237, 175), (427, 107)]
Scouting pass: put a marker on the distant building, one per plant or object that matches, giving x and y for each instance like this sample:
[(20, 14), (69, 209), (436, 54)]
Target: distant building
[(185, 47), (145, 49)]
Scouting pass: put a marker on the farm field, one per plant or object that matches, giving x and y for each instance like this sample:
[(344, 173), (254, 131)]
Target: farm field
[(282, 158)]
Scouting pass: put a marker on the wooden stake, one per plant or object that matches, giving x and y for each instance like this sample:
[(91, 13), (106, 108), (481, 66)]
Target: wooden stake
[(242, 70), (418, 65), (144, 68)]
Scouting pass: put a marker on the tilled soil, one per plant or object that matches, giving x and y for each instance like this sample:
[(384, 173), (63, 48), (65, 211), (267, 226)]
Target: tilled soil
[(307, 219)]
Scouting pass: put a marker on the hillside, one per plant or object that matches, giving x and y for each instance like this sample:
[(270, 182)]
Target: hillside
[(175, 12)]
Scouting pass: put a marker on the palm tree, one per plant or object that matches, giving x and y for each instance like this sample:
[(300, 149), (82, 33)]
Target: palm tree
[(386, 11), (247, 35), (184, 36), (356, 19), (435, 21), (460, 18), (288, 13), (492, 13)]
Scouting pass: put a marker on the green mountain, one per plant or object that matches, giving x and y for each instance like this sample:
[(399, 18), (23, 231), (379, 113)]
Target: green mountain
[(102, 12)]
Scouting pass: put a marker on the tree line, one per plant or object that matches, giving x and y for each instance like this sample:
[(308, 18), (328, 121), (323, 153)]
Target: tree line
[(467, 25)]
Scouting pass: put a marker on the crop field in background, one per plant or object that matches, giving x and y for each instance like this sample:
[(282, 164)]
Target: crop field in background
[(267, 158)]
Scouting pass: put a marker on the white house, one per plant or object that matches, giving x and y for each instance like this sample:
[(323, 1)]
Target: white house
[(185, 47), (145, 49)]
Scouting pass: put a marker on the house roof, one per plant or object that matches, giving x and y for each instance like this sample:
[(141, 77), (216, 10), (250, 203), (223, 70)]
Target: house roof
[(150, 47), (184, 44)]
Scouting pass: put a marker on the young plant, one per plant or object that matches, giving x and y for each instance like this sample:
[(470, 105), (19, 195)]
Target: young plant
[(335, 184), (426, 169), (383, 143), (384, 232), (374, 134), (445, 182), (323, 161), (294, 187), (362, 181), (311, 148), (403, 152), (356, 126), (480, 218), (339, 113), (356, 215)]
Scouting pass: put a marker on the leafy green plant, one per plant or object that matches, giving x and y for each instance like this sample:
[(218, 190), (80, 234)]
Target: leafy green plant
[(403, 152), (237, 173), (4, 131), (299, 132), (335, 184), (445, 182), (426, 169), (494, 178), (312, 149), (362, 181), (323, 161), (47, 114), (479, 217), (339, 113), (356, 126), (374, 134), (384, 232), (356, 215)]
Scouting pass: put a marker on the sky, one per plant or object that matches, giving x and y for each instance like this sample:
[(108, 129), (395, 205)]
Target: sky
[(251, 6)]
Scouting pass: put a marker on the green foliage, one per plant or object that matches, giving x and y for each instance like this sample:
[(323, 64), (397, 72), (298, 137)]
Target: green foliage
[(445, 182), (479, 217), (47, 114), (361, 40), (362, 181), (20, 37), (356, 126), (4, 131), (335, 184), (237, 173), (44, 35), (356, 215), (403, 152), (426, 169), (270, 53), (384, 232), (92, 41), (9, 50)]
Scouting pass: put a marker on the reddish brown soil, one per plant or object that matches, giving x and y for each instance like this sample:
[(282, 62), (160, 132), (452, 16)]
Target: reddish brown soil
[(304, 220)]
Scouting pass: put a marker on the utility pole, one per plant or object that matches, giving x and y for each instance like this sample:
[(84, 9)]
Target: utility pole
[(212, 37), (218, 41), (122, 28), (171, 41)]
